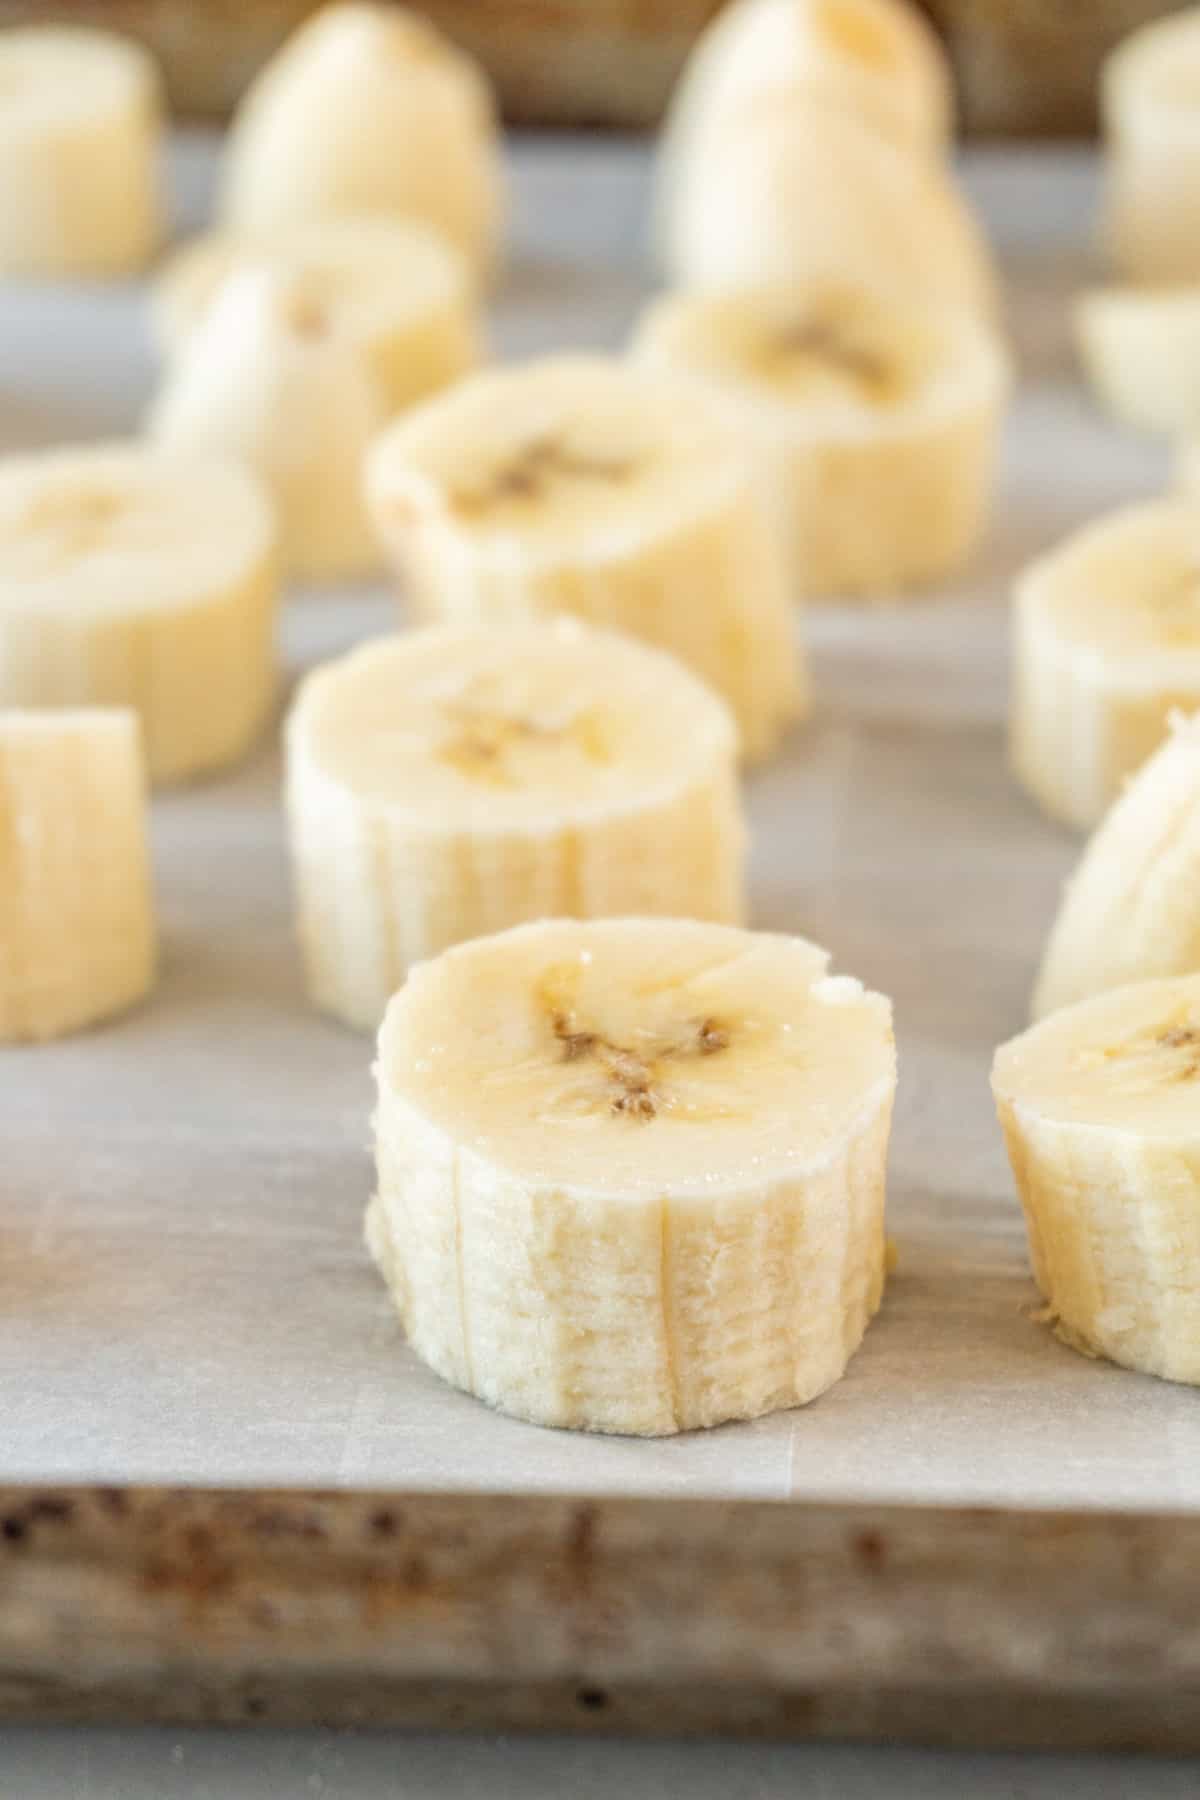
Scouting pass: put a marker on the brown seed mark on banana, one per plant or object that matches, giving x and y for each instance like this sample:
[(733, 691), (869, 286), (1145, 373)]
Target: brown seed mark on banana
[(832, 343), (484, 739), (529, 474), (74, 523), (1177, 604), (634, 1077)]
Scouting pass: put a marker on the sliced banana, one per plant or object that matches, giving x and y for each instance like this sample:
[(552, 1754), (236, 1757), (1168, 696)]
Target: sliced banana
[(579, 485), (129, 578), (389, 287), (1100, 1105), (631, 1172), (368, 109), (877, 422), (1106, 648), (1132, 911), (1150, 102), (1140, 349), (462, 779), (791, 196), (77, 937), (80, 130), (263, 379)]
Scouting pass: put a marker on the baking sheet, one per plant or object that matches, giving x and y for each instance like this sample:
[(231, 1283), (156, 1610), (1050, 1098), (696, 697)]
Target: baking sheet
[(183, 1292)]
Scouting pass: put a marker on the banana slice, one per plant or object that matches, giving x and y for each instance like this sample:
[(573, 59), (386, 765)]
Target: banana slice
[(1140, 349), (391, 288), (462, 779), (795, 195), (876, 422), (1106, 648), (140, 580), (80, 127), (1132, 910), (631, 1172), (367, 109), (77, 939), (1100, 1105), (264, 380), (580, 485), (1150, 103)]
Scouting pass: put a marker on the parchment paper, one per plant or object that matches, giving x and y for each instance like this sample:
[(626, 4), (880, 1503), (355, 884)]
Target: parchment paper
[(183, 1292)]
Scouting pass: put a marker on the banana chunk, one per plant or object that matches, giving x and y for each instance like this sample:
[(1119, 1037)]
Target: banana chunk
[(795, 195), (77, 937), (580, 485), (1100, 1105), (368, 109), (1150, 105), (876, 423), (1132, 910), (1140, 349), (631, 1172), (134, 579), (1106, 648), (80, 130), (461, 779)]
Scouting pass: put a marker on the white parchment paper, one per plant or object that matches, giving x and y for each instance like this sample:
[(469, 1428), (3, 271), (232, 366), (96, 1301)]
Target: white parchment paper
[(183, 1292)]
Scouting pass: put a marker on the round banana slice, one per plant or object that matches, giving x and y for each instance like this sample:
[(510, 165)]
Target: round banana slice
[(1132, 910), (389, 287), (580, 485), (367, 109), (877, 423), (134, 579), (1106, 648), (76, 912), (1140, 349), (80, 127), (1150, 103), (791, 196), (462, 779), (631, 1172), (1100, 1105), (265, 381)]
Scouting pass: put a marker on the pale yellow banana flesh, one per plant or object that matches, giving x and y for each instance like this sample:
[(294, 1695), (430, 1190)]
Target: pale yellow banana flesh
[(1149, 103), (631, 1173), (77, 936), (1100, 1105), (1140, 349), (459, 780)]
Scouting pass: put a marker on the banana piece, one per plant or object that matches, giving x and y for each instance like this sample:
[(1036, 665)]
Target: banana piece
[(876, 422), (80, 129), (391, 288), (1100, 1105), (631, 1172), (1140, 349), (580, 485), (795, 195), (1150, 106), (77, 938), (263, 380), (462, 779), (1106, 648), (1132, 911), (141, 580), (368, 109)]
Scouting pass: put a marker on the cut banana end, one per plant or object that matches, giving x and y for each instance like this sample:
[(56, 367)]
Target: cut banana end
[(794, 195), (1132, 911), (579, 485), (264, 381), (1106, 648), (1100, 1105), (77, 939), (390, 288), (461, 779), (134, 579), (80, 130), (1140, 349), (1150, 102), (631, 1172), (876, 423), (368, 109)]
